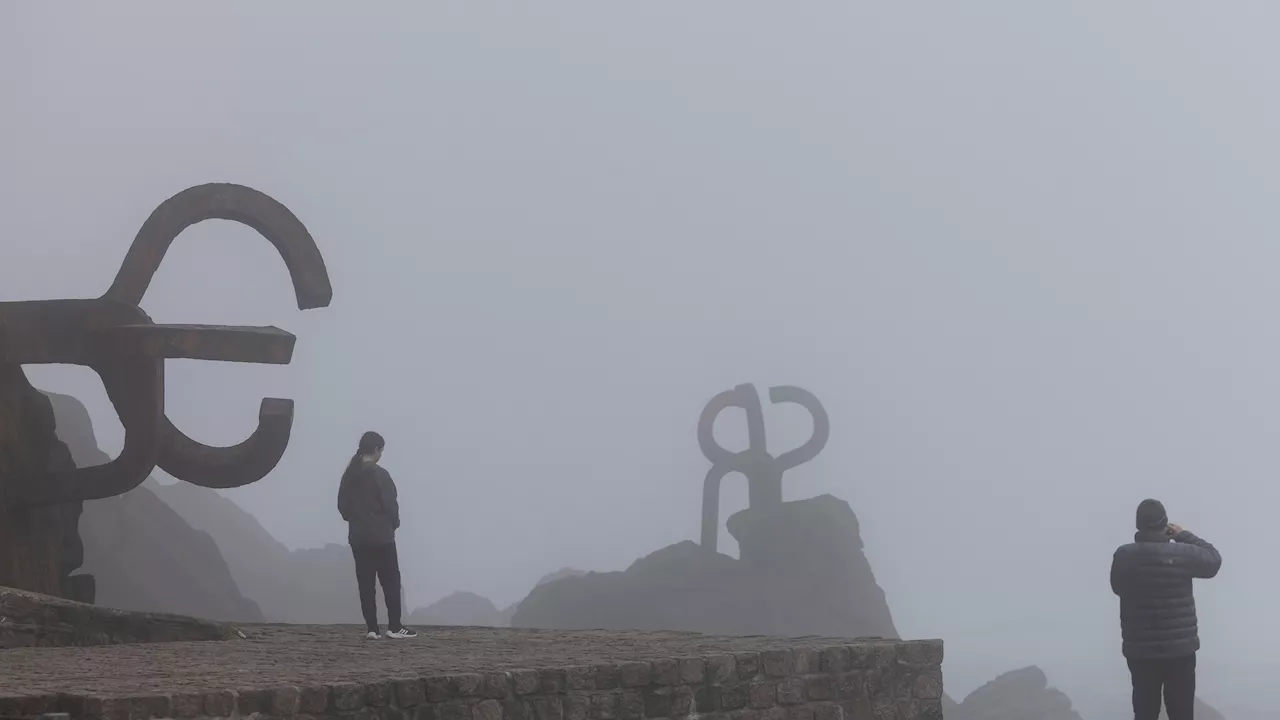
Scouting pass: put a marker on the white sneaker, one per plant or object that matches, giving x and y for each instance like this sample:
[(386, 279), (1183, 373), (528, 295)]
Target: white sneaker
[(401, 634), (371, 636)]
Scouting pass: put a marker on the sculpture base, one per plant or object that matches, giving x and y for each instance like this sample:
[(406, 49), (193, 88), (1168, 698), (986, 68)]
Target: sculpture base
[(39, 546), (813, 544), (33, 620)]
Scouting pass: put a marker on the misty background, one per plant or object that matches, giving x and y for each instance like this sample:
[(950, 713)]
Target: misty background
[(1025, 256)]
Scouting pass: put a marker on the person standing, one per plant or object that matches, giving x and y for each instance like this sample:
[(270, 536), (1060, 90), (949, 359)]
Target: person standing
[(1152, 576), (368, 501)]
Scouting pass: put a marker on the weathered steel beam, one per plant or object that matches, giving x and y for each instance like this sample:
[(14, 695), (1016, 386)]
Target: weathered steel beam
[(222, 201), (269, 345)]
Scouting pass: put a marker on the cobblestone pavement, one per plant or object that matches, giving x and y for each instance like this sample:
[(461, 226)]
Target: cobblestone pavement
[(302, 655)]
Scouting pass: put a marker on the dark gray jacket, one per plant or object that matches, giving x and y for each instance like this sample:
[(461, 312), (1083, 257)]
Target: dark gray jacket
[(1152, 576), (367, 500)]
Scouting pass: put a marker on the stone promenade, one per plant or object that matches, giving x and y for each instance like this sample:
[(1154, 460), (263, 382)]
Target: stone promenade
[(478, 674)]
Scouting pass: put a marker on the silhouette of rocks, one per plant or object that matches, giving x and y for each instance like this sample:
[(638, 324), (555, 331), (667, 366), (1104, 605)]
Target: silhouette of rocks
[(143, 555), (33, 620), (460, 608), (812, 543), (310, 586), (509, 612), (253, 555), (469, 609), (1015, 695), (564, 572)]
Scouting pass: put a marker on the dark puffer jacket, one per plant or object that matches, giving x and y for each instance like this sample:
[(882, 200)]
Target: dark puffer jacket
[(1153, 577)]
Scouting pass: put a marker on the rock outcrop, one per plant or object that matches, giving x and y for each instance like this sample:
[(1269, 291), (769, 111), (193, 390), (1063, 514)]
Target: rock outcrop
[(814, 544), (254, 558), (311, 586), (144, 556), (509, 612), (460, 608), (1015, 695), (469, 609)]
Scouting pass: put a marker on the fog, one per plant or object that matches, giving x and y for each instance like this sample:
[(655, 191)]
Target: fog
[(1025, 255)]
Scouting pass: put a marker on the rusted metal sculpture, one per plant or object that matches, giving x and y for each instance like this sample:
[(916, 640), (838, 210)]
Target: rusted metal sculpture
[(762, 470), (113, 336)]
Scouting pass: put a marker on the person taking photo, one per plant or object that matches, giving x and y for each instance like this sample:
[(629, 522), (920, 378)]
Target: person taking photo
[(1152, 577)]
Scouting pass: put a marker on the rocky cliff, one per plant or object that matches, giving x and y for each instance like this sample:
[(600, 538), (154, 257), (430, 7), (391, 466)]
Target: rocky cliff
[(313, 586), (144, 556), (470, 609), (459, 608), (1016, 695), (812, 544), (253, 556)]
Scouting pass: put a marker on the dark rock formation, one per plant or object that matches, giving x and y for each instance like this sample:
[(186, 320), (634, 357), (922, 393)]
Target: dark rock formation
[(312, 586), (144, 556), (33, 620), (509, 612), (469, 609), (39, 546), (322, 583), (460, 608), (1016, 695), (254, 558), (816, 544), (564, 572), (812, 544)]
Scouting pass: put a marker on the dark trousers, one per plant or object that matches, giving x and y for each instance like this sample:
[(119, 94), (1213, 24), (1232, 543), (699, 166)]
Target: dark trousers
[(382, 563), (1174, 677)]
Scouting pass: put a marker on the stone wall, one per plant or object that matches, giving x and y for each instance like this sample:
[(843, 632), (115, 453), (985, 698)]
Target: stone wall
[(854, 682), (869, 680)]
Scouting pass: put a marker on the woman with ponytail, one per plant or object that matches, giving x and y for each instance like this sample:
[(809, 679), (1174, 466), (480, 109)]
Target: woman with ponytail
[(368, 502)]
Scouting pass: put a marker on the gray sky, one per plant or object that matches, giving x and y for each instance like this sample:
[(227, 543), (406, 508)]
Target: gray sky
[(1024, 254)]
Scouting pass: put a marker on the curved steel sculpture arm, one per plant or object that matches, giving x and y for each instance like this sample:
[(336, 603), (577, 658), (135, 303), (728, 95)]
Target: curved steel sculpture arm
[(179, 455), (228, 467), (136, 390), (112, 335), (821, 425), (762, 470), (745, 397), (711, 506), (224, 201)]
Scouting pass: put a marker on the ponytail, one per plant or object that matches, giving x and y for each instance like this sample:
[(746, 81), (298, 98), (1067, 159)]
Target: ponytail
[(370, 443), (351, 467)]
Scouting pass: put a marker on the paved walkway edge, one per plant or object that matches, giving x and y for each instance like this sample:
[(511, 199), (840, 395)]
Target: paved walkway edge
[(877, 680)]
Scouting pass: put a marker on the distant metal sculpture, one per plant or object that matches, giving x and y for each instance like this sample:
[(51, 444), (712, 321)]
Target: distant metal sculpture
[(114, 337), (762, 470)]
